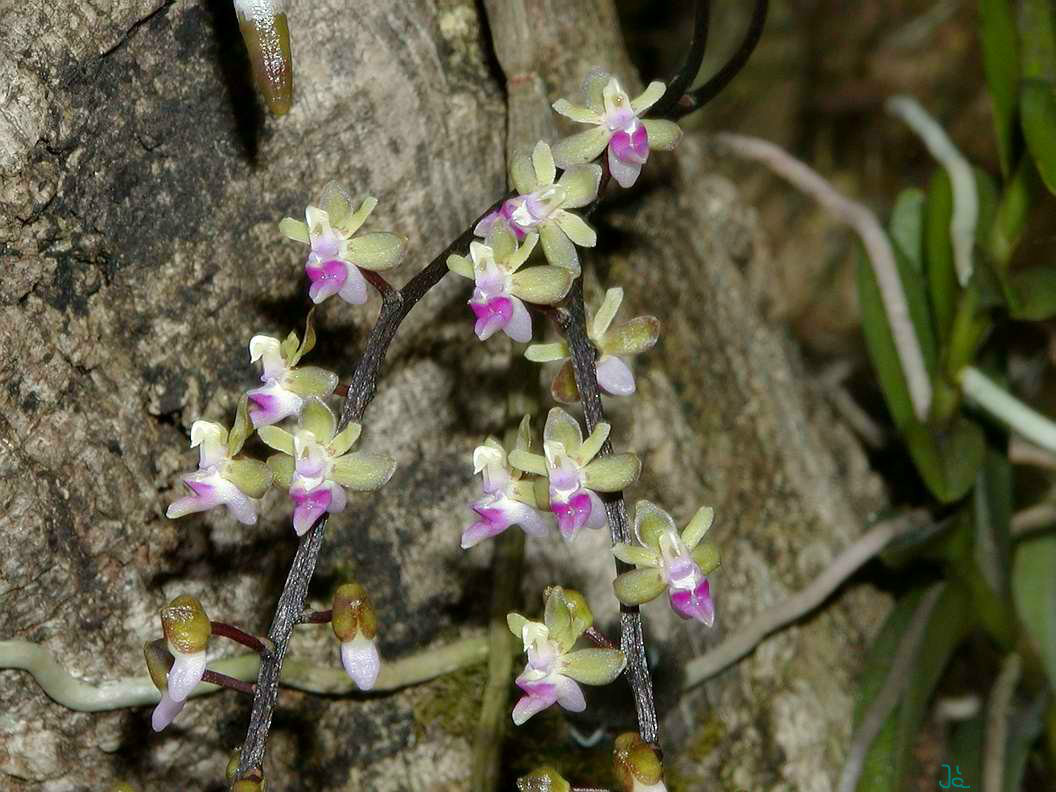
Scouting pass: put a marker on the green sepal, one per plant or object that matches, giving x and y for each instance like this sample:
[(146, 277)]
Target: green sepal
[(706, 554), (516, 622), (566, 615), (318, 419), (241, 429), (252, 477), (363, 472), (594, 666), (345, 439), (632, 337), (612, 473), (282, 467), (542, 285), (310, 381), (307, 344), (277, 438), (543, 779), (639, 585), (186, 625)]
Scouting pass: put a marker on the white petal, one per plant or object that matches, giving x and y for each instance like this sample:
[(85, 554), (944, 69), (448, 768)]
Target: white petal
[(354, 290), (165, 712), (625, 174), (185, 674), (519, 328), (268, 349), (361, 661), (211, 440), (615, 377)]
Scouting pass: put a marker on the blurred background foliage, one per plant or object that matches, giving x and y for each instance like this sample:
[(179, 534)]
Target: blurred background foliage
[(981, 683)]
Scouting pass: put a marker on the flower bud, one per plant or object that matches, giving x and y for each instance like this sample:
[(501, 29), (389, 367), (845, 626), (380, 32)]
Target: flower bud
[(355, 624), (187, 631), (543, 779), (637, 764), (253, 782)]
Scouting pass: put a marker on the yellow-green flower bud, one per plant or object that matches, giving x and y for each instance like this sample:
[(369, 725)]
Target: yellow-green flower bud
[(637, 764), (186, 625), (159, 661), (543, 779), (353, 613)]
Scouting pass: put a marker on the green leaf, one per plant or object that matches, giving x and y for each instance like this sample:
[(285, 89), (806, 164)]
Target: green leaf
[(881, 343), (943, 287), (889, 763), (1025, 724), (1037, 32), (947, 459), (907, 226), (1032, 293), (992, 519), (1034, 593), (966, 748), (1001, 64), (1012, 214), (1037, 104)]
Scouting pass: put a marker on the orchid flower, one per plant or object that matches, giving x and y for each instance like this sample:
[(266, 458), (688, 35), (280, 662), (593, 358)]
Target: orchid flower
[(637, 764), (617, 125), (334, 265), (553, 668), (542, 205), (177, 663), (668, 560), (508, 498), (501, 284), (316, 466), (286, 385), (613, 344), (574, 475), (355, 624), (221, 479)]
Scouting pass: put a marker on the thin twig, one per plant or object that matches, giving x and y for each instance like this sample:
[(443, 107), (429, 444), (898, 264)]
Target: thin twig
[(798, 605), (574, 325), (593, 634), (878, 250), (895, 682), (317, 617)]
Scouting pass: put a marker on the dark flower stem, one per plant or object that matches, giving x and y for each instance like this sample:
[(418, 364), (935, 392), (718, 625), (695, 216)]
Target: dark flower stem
[(225, 630), (223, 680), (317, 617), (573, 323)]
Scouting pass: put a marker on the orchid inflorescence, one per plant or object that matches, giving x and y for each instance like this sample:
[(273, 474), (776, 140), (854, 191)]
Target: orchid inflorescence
[(564, 484)]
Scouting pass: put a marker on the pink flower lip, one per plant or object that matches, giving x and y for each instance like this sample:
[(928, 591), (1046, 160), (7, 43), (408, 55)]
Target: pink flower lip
[(633, 147), (326, 278), (309, 506), (573, 514), (199, 488), (696, 604), (492, 316)]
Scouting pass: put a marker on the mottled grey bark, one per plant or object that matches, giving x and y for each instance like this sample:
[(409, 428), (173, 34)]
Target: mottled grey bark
[(139, 253)]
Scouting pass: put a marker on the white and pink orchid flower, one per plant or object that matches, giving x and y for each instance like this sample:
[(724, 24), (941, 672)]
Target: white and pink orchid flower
[(575, 476), (502, 287), (286, 385), (508, 499), (316, 466), (543, 205), (667, 560), (553, 671), (222, 480), (613, 342), (355, 623), (617, 125), (336, 256)]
